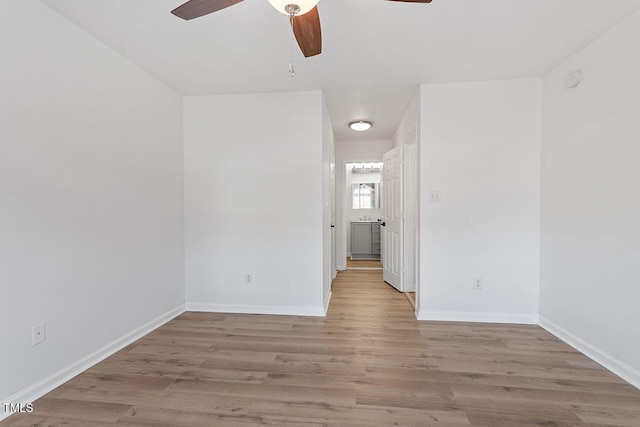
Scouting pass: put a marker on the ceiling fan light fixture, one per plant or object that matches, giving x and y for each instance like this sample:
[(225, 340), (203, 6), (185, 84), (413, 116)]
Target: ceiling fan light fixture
[(299, 6), (361, 125)]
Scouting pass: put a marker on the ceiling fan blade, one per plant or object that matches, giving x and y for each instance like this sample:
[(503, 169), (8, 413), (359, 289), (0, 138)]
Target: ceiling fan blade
[(413, 1), (308, 32), (197, 8)]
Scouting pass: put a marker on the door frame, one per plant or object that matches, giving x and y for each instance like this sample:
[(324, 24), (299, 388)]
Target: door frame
[(344, 194), (411, 171)]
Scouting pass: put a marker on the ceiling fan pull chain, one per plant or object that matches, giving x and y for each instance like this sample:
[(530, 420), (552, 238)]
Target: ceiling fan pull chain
[(292, 70)]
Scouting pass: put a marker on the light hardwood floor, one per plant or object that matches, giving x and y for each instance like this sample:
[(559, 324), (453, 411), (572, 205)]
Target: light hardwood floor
[(369, 363), (363, 263), (411, 296)]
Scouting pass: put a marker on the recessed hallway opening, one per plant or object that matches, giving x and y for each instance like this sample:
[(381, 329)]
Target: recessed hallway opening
[(368, 363)]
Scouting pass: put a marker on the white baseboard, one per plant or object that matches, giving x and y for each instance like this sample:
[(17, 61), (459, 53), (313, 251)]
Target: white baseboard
[(621, 369), (456, 316), (39, 389), (327, 301), (257, 309)]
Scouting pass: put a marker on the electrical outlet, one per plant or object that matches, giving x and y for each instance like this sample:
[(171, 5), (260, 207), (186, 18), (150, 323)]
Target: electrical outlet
[(38, 334), (477, 283), (434, 197), (248, 278)]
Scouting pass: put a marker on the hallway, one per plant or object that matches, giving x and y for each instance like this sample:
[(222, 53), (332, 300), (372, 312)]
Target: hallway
[(368, 363)]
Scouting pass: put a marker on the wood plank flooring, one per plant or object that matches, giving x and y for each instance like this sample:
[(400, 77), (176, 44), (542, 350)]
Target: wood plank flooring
[(411, 296), (369, 363), (363, 263)]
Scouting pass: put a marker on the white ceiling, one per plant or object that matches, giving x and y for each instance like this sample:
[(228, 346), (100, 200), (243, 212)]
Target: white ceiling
[(375, 52)]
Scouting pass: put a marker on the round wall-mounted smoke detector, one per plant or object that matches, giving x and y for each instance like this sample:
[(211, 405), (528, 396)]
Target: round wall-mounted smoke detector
[(573, 79)]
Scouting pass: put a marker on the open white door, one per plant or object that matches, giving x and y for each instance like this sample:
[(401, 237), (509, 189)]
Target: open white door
[(391, 229)]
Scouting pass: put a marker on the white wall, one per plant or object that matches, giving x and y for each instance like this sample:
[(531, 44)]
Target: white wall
[(91, 205), (349, 152), (409, 124), (590, 272), (480, 147), (253, 202)]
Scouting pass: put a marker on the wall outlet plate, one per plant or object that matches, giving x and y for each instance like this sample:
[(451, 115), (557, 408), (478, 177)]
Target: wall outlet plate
[(434, 197), (38, 334), (477, 283), (248, 278)]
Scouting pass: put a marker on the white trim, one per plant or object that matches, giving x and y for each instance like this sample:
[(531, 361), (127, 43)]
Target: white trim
[(256, 309), (327, 301), (39, 389), (459, 316), (621, 369)]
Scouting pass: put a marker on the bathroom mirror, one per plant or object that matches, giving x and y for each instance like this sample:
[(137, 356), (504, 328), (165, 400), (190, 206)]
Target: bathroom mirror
[(365, 196)]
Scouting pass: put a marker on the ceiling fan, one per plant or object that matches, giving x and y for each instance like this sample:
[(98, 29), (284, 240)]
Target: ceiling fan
[(303, 14)]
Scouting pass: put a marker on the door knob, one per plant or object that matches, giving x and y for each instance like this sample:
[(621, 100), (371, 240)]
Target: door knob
[(333, 226), (383, 224)]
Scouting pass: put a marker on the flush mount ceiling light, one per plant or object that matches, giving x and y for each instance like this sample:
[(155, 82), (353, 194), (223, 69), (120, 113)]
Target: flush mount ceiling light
[(293, 7), (361, 125)]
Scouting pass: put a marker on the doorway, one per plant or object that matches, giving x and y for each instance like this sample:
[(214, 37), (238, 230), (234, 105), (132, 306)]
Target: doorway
[(347, 155), (363, 215)]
